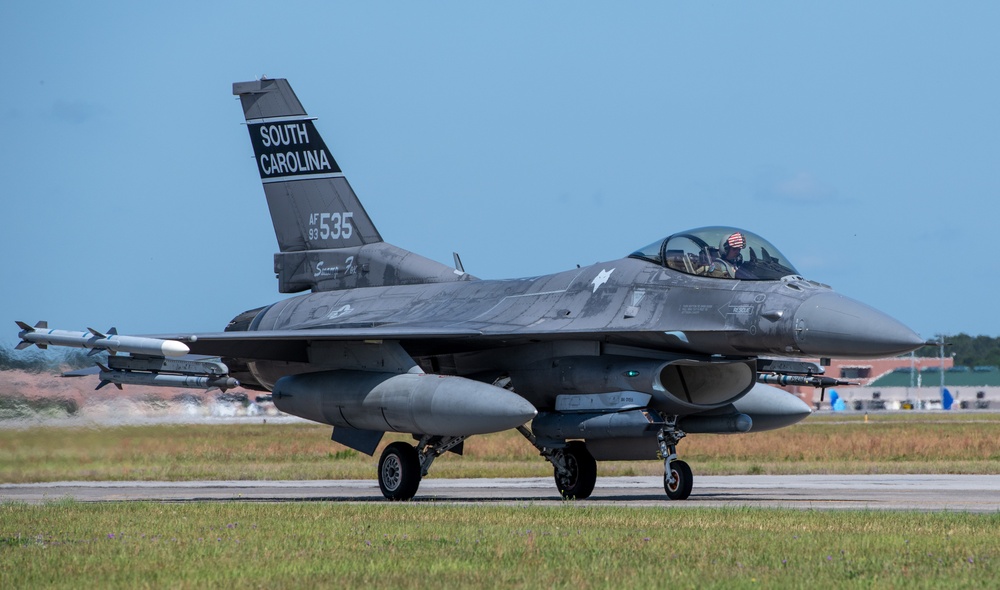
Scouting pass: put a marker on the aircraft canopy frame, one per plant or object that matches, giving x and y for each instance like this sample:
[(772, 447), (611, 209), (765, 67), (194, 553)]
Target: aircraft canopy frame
[(719, 252)]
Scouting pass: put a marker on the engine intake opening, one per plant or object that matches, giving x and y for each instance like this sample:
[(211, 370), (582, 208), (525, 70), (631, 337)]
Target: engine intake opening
[(707, 384)]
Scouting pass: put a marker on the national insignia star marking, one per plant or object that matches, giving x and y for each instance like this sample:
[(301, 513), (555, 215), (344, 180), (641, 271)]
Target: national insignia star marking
[(601, 278)]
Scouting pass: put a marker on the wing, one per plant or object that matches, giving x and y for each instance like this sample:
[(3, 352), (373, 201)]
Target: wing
[(290, 345)]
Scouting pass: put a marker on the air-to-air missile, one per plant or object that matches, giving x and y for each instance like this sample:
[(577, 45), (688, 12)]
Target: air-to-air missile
[(113, 342), (119, 378), (150, 367), (804, 380)]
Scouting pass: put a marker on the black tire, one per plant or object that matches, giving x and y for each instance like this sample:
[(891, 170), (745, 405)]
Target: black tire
[(681, 488), (399, 472), (583, 472)]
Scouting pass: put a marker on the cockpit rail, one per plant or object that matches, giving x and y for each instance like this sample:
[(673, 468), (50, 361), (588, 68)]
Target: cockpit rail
[(719, 252)]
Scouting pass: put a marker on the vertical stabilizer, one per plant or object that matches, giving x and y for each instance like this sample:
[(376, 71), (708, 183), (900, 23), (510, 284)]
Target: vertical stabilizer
[(326, 239), (300, 174)]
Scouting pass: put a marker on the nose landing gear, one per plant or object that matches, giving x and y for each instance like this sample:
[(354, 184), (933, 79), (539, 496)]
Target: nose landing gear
[(677, 477)]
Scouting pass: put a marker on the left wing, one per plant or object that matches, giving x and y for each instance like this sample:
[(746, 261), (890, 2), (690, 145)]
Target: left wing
[(290, 345), (183, 359)]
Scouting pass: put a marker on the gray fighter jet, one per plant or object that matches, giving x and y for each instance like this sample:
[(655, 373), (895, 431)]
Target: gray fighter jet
[(614, 361)]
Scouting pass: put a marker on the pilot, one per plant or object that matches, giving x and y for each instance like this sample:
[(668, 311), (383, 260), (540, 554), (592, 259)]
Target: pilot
[(730, 249)]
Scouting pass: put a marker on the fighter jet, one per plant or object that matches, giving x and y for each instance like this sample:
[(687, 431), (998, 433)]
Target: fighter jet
[(614, 361)]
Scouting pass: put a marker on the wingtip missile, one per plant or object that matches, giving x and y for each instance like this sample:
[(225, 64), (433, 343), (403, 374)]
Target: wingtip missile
[(92, 339)]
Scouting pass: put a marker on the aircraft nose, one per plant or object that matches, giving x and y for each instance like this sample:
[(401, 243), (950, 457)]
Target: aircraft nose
[(831, 325)]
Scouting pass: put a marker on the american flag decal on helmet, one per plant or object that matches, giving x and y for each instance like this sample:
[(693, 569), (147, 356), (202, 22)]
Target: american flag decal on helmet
[(736, 241)]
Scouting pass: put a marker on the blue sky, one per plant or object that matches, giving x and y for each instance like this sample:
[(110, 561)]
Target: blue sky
[(862, 139)]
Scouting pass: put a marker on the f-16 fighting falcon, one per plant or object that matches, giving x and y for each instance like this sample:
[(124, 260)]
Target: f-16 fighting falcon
[(615, 361)]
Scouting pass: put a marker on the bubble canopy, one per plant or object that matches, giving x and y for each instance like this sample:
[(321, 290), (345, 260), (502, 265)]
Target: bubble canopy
[(719, 252)]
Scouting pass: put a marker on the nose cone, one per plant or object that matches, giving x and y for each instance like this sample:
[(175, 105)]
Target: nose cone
[(831, 325)]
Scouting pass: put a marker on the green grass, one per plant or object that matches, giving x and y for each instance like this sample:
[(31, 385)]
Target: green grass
[(281, 545), (886, 443), (71, 545)]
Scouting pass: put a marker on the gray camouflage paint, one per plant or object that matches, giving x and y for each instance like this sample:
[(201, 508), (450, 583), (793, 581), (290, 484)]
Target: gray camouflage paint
[(689, 344)]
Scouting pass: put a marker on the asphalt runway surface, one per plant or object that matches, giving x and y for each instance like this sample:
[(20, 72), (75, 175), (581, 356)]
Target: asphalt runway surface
[(969, 493)]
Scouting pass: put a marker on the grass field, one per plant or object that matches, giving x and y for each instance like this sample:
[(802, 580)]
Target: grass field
[(886, 443), (69, 545), (284, 545)]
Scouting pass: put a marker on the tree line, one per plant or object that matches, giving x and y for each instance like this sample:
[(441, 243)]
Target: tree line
[(969, 351), (33, 360)]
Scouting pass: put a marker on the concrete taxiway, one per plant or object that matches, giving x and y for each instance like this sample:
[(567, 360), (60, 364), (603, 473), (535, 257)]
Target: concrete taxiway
[(973, 493)]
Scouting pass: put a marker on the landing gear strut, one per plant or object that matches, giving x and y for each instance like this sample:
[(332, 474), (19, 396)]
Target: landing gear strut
[(677, 477), (402, 466), (574, 468)]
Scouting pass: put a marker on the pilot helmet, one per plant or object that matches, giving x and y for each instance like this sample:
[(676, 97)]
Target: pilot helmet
[(735, 241)]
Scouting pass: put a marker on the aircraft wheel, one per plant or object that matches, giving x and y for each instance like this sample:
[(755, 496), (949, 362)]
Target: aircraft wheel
[(680, 489), (579, 484), (399, 471)]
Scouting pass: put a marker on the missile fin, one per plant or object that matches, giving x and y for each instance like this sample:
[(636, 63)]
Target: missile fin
[(42, 346), (105, 381), (24, 326), (23, 344), (113, 331), (96, 333), (42, 325)]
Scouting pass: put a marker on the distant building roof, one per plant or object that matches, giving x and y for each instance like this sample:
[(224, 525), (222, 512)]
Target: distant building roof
[(930, 376)]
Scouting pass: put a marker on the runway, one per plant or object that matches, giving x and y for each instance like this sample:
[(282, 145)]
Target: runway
[(971, 493)]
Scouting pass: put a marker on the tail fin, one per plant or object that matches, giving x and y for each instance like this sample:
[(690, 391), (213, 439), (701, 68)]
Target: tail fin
[(300, 174), (326, 239)]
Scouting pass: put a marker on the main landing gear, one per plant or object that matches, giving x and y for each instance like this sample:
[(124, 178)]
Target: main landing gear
[(574, 468), (402, 466)]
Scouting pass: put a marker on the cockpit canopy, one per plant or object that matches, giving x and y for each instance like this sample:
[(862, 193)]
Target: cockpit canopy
[(721, 252)]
